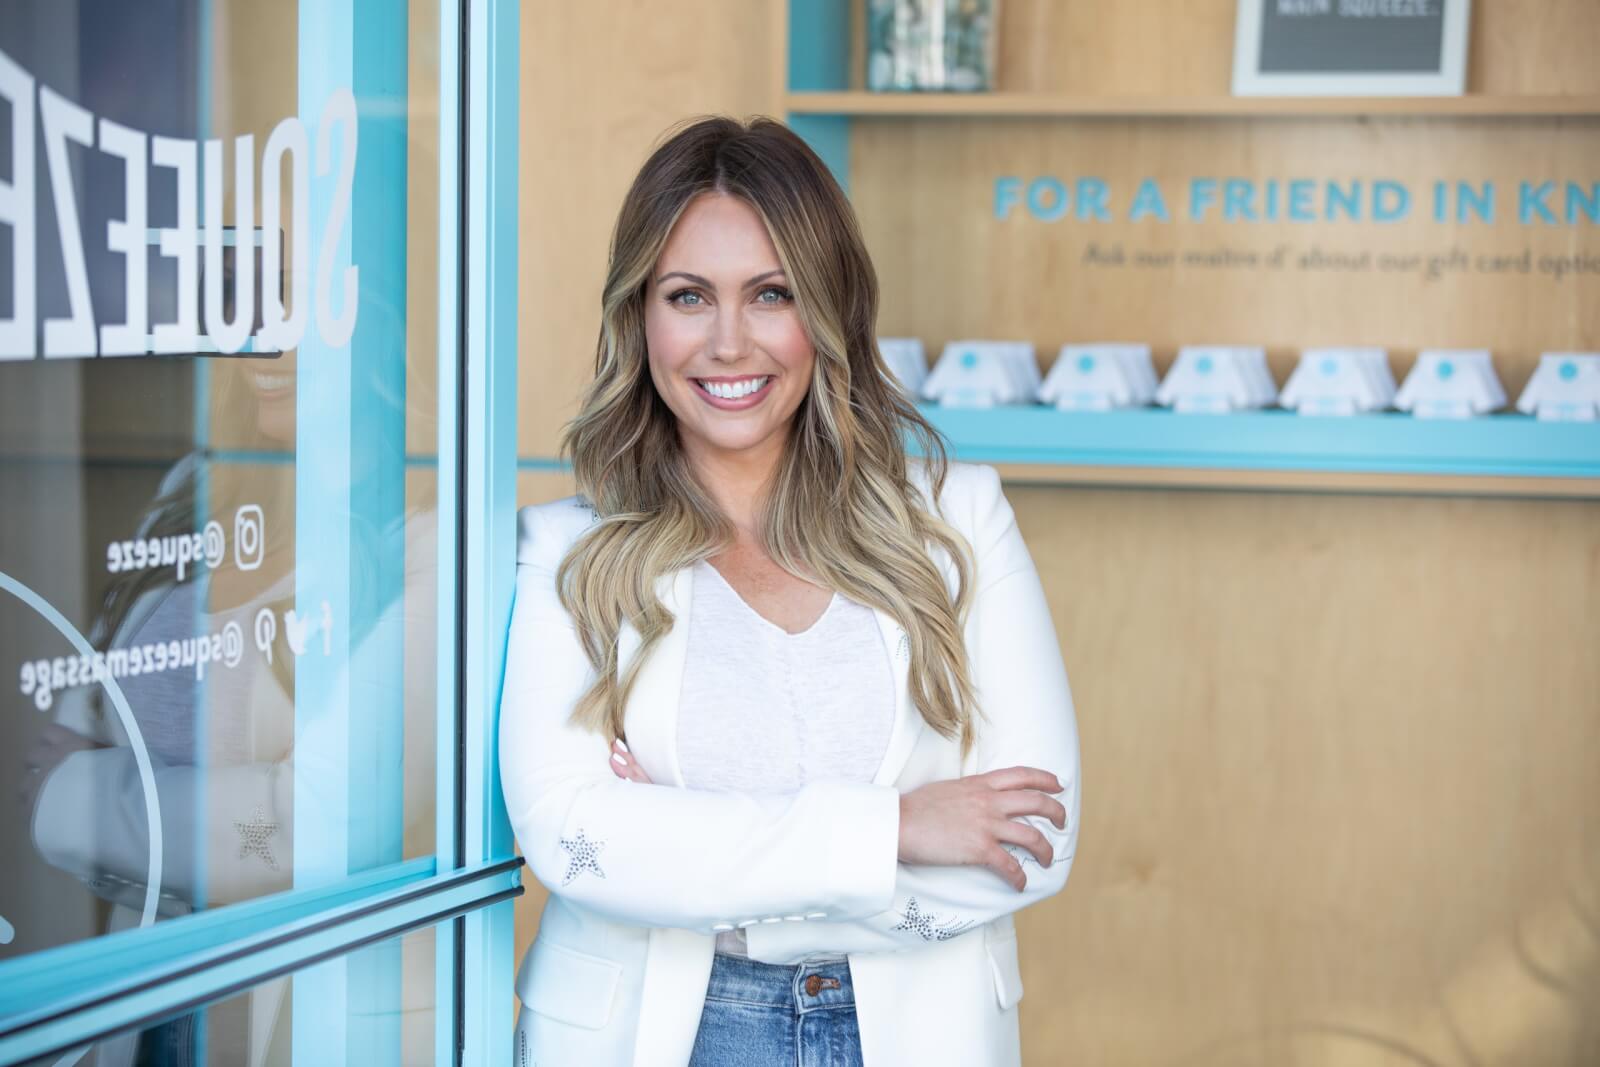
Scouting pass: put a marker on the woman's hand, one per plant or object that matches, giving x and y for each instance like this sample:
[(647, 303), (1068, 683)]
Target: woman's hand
[(623, 765), (969, 820)]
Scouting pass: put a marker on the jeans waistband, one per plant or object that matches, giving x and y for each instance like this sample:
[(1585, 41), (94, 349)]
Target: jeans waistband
[(799, 987)]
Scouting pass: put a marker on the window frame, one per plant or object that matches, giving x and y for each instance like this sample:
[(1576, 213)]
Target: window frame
[(62, 998)]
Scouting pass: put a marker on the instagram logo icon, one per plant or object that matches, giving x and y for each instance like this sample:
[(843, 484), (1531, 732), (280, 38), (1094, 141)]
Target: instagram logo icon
[(247, 537)]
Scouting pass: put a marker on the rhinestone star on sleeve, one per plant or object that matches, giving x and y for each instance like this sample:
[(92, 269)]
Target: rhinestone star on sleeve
[(253, 837), (582, 853), (926, 925)]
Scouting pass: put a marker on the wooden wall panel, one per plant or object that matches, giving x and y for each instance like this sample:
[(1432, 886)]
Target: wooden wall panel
[(949, 269), (1164, 47), (1339, 780), (600, 84), (1185, 47), (1534, 47)]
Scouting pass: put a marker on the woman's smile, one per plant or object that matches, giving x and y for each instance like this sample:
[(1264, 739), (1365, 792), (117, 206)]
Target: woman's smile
[(735, 394)]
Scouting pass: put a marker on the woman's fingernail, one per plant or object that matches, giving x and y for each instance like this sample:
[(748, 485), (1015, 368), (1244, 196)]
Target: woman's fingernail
[(622, 744), (619, 759)]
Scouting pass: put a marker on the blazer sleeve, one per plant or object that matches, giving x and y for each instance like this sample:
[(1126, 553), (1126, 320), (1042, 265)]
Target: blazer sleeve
[(1015, 659), (657, 855)]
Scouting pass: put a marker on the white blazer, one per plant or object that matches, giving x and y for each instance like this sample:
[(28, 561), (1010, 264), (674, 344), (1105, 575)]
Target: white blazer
[(642, 877)]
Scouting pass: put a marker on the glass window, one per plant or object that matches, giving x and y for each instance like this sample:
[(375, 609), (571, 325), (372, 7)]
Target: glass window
[(218, 429), (255, 1027), (255, 531)]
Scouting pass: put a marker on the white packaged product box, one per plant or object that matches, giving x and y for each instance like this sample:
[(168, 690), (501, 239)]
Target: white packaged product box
[(1339, 381), (1564, 387), (982, 374), (1450, 383), (1216, 379), (907, 361), (1100, 377)]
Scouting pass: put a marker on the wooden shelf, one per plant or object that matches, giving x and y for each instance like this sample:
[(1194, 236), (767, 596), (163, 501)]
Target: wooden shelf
[(1366, 451), (1037, 105)]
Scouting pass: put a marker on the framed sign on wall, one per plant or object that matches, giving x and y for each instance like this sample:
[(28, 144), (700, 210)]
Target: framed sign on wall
[(1350, 48)]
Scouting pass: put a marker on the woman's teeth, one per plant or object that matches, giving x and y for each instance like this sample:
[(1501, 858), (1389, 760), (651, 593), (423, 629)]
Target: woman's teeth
[(733, 390)]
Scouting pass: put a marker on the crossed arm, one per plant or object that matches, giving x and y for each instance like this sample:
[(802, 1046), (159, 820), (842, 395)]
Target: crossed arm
[(659, 856)]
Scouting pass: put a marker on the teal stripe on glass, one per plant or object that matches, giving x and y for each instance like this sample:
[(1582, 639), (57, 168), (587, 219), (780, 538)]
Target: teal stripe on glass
[(349, 516), (378, 519), (323, 441)]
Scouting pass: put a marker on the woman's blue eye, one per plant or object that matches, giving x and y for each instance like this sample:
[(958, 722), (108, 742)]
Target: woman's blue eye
[(690, 298)]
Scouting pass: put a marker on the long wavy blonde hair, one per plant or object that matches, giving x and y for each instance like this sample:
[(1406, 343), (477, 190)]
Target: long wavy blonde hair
[(841, 509)]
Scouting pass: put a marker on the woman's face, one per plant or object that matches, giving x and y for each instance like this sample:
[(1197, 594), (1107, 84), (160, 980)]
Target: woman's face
[(720, 318)]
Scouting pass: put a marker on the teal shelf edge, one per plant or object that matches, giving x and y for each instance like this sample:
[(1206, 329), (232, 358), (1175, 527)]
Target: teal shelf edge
[(1272, 440)]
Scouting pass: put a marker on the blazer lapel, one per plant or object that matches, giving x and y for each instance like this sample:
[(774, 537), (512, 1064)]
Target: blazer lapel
[(908, 722), (678, 964), (677, 971), (651, 718)]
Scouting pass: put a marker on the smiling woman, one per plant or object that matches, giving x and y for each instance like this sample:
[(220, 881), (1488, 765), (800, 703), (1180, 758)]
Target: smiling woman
[(740, 732)]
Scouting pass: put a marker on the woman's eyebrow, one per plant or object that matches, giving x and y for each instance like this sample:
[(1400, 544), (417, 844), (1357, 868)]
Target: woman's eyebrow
[(696, 279)]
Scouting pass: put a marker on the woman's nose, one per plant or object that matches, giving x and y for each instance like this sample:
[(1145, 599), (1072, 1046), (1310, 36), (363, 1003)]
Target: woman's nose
[(729, 336)]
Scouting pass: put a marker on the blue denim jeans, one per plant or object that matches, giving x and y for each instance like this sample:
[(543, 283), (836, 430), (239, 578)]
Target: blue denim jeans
[(770, 1015)]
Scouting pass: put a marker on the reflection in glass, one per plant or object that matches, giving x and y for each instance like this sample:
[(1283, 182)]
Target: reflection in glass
[(241, 539), (235, 1032)]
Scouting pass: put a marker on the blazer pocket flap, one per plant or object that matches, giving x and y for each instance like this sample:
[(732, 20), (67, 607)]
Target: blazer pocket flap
[(568, 985), (1007, 974)]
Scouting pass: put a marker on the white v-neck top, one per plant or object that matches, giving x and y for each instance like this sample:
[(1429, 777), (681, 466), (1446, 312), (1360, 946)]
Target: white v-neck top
[(766, 711)]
